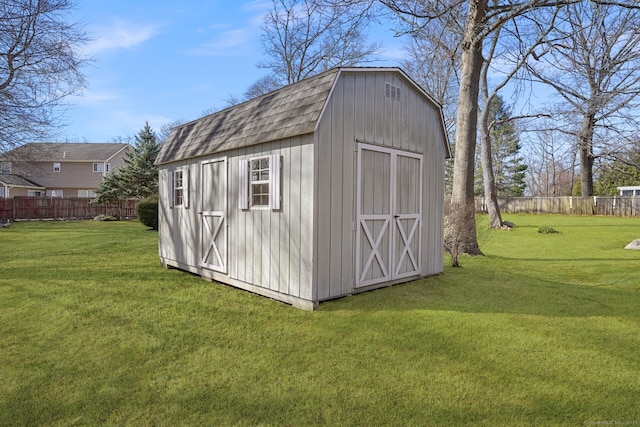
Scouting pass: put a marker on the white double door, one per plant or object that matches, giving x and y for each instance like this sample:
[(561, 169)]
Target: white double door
[(389, 214)]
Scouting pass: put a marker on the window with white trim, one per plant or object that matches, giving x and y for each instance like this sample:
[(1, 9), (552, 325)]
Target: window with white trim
[(56, 167), (108, 166), (34, 193), (87, 193), (97, 167), (54, 193), (259, 178), (179, 185), (260, 182), (178, 189)]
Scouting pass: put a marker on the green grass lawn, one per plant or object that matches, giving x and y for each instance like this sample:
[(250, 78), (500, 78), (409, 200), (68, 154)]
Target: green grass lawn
[(543, 330)]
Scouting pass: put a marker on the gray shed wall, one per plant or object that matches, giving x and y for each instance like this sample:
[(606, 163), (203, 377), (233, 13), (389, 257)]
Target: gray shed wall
[(359, 110), (268, 249)]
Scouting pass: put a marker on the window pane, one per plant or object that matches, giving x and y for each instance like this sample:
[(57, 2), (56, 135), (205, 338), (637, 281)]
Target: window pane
[(264, 175), (264, 163)]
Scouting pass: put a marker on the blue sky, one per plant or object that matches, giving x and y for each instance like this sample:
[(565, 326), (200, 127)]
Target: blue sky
[(165, 60)]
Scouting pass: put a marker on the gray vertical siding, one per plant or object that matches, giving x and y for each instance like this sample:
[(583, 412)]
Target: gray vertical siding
[(359, 110), (266, 248)]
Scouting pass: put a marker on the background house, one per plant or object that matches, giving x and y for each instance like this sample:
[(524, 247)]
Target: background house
[(327, 187), (60, 169)]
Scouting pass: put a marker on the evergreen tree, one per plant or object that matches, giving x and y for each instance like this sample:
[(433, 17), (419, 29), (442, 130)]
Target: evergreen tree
[(140, 173), (138, 178), (505, 143)]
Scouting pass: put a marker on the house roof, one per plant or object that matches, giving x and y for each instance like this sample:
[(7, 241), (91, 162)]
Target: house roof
[(284, 113), (64, 152), (17, 181)]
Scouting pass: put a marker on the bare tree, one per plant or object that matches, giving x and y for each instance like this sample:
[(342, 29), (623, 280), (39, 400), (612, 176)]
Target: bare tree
[(39, 66), (502, 45), (482, 18), (304, 37), (551, 161), (592, 61)]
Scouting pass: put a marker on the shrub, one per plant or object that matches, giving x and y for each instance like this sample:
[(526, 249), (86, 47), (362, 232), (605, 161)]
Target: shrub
[(546, 230), (148, 212)]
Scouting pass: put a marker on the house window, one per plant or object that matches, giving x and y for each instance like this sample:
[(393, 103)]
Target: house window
[(108, 166), (97, 167), (87, 193), (54, 193), (260, 182), (5, 168), (56, 167), (259, 178), (34, 193), (178, 188)]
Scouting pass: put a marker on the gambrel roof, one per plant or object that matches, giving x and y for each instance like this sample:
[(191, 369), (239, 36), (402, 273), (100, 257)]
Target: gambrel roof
[(64, 152), (284, 113)]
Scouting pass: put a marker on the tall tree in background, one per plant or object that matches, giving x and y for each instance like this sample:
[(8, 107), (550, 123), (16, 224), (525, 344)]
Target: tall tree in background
[(138, 178), (593, 62), (509, 169), (550, 161), (481, 19), (39, 66), (302, 38), (508, 163)]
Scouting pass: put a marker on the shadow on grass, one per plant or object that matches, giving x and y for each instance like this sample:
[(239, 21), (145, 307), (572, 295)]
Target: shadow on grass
[(474, 291)]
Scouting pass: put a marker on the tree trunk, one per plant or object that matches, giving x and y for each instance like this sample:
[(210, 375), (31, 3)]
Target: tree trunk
[(586, 155), (488, 177), (462, 222)]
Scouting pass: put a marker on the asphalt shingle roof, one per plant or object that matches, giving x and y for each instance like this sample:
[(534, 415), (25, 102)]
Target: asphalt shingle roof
[(287, 112), (64, 152)]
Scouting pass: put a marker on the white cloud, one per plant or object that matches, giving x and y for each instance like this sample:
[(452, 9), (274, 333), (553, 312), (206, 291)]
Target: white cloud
[(226, 42), (94, 97), (257, 5), (121, 34)]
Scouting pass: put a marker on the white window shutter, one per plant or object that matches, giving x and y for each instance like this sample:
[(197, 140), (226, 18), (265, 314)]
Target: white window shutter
[(274, 181), (243, 184), (185, 187), (171, 188)]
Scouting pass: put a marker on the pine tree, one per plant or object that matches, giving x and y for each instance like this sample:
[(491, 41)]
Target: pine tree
[(508, 164), (140, 173), (138, 178)]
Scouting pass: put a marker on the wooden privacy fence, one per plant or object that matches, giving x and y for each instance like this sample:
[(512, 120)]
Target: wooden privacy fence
[(596, 205), (35, 208)]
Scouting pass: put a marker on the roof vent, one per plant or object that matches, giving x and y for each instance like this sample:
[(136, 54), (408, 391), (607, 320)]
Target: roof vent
[(392, 91)]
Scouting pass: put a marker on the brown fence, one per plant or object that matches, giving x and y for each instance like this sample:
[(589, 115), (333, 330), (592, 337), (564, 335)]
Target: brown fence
[(34, 208), (606, 206)]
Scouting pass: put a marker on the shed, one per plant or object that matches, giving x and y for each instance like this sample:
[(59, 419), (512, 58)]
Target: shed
[(629, 191), (321, 189)]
